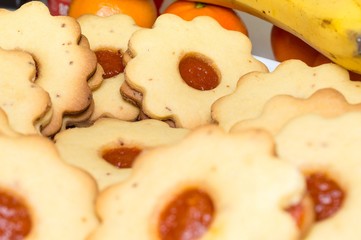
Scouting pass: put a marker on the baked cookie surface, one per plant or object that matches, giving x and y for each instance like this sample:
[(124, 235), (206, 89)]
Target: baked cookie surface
[(292, 78), (234, 177), (56, 200), (23, 101), (63, 65), (327, 151), (281, 109), (181, 67), (5, 128), (108, 148), (108, 37)]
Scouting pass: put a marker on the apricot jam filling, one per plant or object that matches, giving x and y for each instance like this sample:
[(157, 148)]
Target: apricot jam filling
[(326, 194), (121, 157), (188, 216), (15, 220), (325, 198), (111, 62), (198, 72)]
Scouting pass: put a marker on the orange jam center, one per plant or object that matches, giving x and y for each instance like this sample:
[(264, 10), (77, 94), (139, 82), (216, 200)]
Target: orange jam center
[(111, 62), (326, 194), (198, 72), (15, 221), (187, 217), (121, 157)]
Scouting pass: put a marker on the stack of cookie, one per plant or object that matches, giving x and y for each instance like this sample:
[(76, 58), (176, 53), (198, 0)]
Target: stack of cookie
[(113, 131)]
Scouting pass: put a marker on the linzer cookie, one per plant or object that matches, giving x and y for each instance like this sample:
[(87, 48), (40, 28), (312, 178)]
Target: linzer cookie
[(327, 151), (108, 148), (282, 108), (23, 101), (108, 38), (201, 188), (181, 67), (291, 77), (63, 65), (41, 196)]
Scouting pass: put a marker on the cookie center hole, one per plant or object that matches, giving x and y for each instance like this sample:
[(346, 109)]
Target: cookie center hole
[(15, 221), (187, 216), (121, 157), (326, 194), (198, 72), (111, 62)]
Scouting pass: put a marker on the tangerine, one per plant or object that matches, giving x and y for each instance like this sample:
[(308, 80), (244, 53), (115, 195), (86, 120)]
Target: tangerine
[(226, 17), (143, 12), (287, 46)]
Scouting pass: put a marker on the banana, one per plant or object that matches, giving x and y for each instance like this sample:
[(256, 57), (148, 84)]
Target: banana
[(332, 27)]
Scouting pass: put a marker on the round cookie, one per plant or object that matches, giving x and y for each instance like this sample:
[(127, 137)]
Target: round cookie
[(110, 35), (291, 77), (108, 148), (63, 65), (49, 199), (236, 179), (23, 101), (281, 109), (328, 148), (163, 58)]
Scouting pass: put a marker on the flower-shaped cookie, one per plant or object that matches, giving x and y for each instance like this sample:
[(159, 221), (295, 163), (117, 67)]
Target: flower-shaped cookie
[(41, 196), (63, 66), (108, 38), (23, 101), (291, 77), (327, 151), (181, 67), (108, 148), (210, 185), (280, 109)]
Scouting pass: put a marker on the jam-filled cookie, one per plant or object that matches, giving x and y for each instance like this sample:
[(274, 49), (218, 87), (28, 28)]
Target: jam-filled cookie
[(327, 151), (210, 185), (108, 148), (291, 77), (281, 109), (179, 68), (63, 64), (108, 38), (42, 197), (23, 101)]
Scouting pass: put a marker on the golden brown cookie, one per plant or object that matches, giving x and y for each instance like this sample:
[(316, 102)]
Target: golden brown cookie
[(64, 66), (108, 38), (233, 185), (327, 151), (181, 67), (108, 148), (281, 109), (41, 196), (23, 101), (291, 77)]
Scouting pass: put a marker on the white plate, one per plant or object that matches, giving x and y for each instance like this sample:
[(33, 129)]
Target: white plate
[(271, 64)]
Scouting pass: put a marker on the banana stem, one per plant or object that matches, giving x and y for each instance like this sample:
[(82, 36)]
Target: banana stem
[(200, 5)]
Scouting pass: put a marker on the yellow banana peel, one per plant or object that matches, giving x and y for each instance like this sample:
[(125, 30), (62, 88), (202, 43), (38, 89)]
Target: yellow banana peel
[(332, 27)]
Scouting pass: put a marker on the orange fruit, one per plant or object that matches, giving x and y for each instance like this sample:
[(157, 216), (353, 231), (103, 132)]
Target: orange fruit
[(287, 46), (226, 17), (143, 12)]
